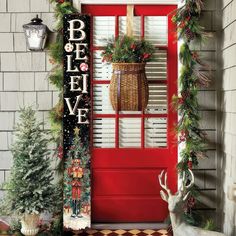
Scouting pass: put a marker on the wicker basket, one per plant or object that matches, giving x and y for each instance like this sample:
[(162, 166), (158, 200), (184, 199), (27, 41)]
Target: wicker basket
[(129, 87)]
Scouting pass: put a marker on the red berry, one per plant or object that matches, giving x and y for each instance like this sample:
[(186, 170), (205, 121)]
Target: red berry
[(182, 137), (188, 18), (60, 152), (181, 100), (195, 55), (182, 25), (190, 164), (133, 46), (146, 55)]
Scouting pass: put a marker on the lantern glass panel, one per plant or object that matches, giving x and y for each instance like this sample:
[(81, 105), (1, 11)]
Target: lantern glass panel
[(36, 35)]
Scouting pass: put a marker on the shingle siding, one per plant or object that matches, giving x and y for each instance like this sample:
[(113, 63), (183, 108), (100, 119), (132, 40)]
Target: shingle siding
[(207, 171), (23, 76)]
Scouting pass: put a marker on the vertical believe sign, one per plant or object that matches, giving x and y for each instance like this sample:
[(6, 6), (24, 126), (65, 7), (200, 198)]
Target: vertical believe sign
[(76, 211)]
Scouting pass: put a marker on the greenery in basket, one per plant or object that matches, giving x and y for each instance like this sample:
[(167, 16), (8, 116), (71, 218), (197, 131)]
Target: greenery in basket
[(127, 49), (30, 189)]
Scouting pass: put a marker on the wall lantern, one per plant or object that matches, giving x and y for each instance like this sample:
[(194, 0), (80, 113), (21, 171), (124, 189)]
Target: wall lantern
[(36, 34)]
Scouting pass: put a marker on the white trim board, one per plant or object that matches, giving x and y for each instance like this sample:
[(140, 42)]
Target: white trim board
[(144, 2)]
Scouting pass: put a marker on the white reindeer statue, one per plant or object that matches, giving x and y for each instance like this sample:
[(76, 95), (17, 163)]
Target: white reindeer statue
[(180, 228)]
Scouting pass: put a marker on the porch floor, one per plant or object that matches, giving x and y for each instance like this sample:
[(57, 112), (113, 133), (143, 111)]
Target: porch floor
[(105, 229)]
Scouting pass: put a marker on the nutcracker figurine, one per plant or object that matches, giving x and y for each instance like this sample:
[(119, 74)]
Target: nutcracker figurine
[(76, 172)]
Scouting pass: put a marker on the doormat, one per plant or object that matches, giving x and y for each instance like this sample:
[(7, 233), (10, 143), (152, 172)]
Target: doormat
[(121, 232)]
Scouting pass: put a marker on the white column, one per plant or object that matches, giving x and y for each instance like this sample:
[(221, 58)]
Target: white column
[(77, 5)]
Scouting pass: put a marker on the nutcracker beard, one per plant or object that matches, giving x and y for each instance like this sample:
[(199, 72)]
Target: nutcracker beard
[(76, 196)]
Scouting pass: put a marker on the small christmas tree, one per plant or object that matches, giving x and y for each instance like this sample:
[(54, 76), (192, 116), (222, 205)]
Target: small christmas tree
[(30, 188)]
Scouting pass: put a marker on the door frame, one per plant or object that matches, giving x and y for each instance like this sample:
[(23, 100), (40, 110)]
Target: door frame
[(172, 60)]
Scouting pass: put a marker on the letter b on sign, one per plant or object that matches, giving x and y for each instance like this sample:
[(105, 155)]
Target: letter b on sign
[(76, 29)]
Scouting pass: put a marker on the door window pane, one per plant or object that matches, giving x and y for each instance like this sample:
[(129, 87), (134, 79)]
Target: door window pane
[(101, 71), (103, 29), (101, 100), (104, 133), (157, 69), (155, 132), (156, 29), (130, 132), (136, 26), (157, 103)]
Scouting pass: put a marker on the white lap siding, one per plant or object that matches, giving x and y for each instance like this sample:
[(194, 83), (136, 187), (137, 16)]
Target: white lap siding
[(227, 94)]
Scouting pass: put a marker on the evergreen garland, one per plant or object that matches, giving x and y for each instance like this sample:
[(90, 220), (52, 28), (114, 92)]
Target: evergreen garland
[(127, 49), (193, 75), (55, 77), (62, 7)]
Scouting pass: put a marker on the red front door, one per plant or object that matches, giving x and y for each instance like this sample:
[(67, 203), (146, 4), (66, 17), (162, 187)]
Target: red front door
[(130, 149)]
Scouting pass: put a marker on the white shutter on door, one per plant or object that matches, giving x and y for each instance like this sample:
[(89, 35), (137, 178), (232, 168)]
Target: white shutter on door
[(101, 71), (155, 132), (157, 103), (101, 101), (104, 133), (156, 29), (103, 29), (136, 26), (130, 132), (157, 69)]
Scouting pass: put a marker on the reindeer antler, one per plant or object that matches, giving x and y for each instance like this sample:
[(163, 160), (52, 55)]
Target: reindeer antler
[(191, 181), (164, 186), (189, 185), (183, 183)]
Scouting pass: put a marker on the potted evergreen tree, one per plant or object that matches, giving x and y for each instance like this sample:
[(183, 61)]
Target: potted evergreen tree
[(128, 86), (30, 190)]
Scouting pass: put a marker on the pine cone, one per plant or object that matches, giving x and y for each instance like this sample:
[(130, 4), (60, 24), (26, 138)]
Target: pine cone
[(189, 34), (191, 202), (185, 95)]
